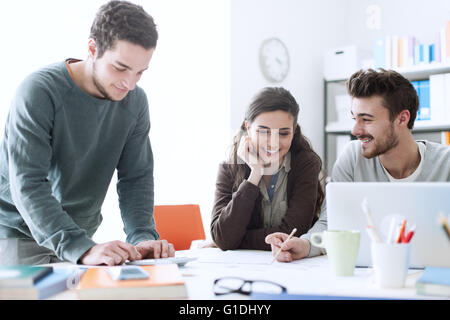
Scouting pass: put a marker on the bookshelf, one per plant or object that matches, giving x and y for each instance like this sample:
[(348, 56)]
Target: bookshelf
[(337, 132)]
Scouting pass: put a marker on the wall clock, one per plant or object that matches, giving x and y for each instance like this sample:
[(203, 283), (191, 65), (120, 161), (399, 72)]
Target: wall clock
[(274, 60)]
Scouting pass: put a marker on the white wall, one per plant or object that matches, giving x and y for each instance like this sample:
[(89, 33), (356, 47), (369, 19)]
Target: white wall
[(37, 33), (307, 28)]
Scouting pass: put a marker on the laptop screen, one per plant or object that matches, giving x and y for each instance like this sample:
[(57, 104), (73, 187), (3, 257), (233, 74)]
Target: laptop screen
[(420, 203)]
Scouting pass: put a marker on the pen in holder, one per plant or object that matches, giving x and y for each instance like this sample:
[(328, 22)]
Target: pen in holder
[(390, 263)]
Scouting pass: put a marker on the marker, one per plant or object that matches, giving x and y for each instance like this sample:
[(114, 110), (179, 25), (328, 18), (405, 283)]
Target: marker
[(402, 232), (409, 235)]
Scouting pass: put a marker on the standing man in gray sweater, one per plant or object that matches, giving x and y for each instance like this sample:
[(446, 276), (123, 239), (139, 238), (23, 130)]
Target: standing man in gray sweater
[(384, 107), (70, 126)]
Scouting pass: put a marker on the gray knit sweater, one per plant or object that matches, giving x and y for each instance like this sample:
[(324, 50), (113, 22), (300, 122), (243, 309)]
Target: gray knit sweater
[(60, 149)]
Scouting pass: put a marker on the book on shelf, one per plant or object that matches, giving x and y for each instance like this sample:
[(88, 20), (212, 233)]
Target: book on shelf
[(411, 43), (424, 100), (379, 53), (388, 52), (446, 41), (418, 54), (432, 53), (55, 282), (437, 47), (437, 97), (405, 51), (440, 97), (423, 92), (434, 281), (434, 100), (22, 276), (165, 281), (394, 52)]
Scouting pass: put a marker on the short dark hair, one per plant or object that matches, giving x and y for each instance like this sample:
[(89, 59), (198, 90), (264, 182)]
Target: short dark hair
[(396, 91), (123, 20)]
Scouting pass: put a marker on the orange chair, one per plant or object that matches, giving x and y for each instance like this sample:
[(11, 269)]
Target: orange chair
[(179, 224)]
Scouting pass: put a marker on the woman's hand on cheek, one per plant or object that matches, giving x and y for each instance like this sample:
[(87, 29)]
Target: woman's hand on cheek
[(246, 152)]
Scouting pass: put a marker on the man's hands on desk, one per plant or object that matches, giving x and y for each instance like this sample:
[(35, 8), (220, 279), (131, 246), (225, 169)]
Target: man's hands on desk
[(117, 252), (293, 249), (155, 249)]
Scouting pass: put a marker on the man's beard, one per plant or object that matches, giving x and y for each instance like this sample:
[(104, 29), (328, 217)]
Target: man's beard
[(99, 86), (390, 142)]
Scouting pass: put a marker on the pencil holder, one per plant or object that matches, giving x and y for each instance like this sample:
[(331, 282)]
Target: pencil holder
[(390, 264)]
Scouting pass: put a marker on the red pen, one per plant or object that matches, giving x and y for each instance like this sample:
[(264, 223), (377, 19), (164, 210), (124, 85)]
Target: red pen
[(409, 235)]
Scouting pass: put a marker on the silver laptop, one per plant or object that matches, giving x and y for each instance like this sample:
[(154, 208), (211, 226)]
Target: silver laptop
[(418, 202)]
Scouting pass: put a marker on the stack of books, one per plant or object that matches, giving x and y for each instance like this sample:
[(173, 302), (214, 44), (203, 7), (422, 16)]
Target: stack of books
[(33, 282), (394, 51)]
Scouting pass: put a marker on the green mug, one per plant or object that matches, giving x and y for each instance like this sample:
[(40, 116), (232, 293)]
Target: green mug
[(342, 249)]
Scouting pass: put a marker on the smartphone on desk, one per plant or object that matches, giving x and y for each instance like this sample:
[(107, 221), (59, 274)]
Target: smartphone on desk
[(127, 273)]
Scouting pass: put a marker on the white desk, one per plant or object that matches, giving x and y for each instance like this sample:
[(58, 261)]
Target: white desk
[(307, 276)]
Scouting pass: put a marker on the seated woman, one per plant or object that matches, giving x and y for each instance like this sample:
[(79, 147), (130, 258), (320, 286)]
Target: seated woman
[(271, 180)]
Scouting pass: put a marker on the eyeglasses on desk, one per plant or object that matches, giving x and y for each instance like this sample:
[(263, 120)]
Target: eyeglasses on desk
[(227, 285)]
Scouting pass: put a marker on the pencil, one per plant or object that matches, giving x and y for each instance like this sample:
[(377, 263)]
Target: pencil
[(365, 207), (372, 236), (288, 238), (443, 222)]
